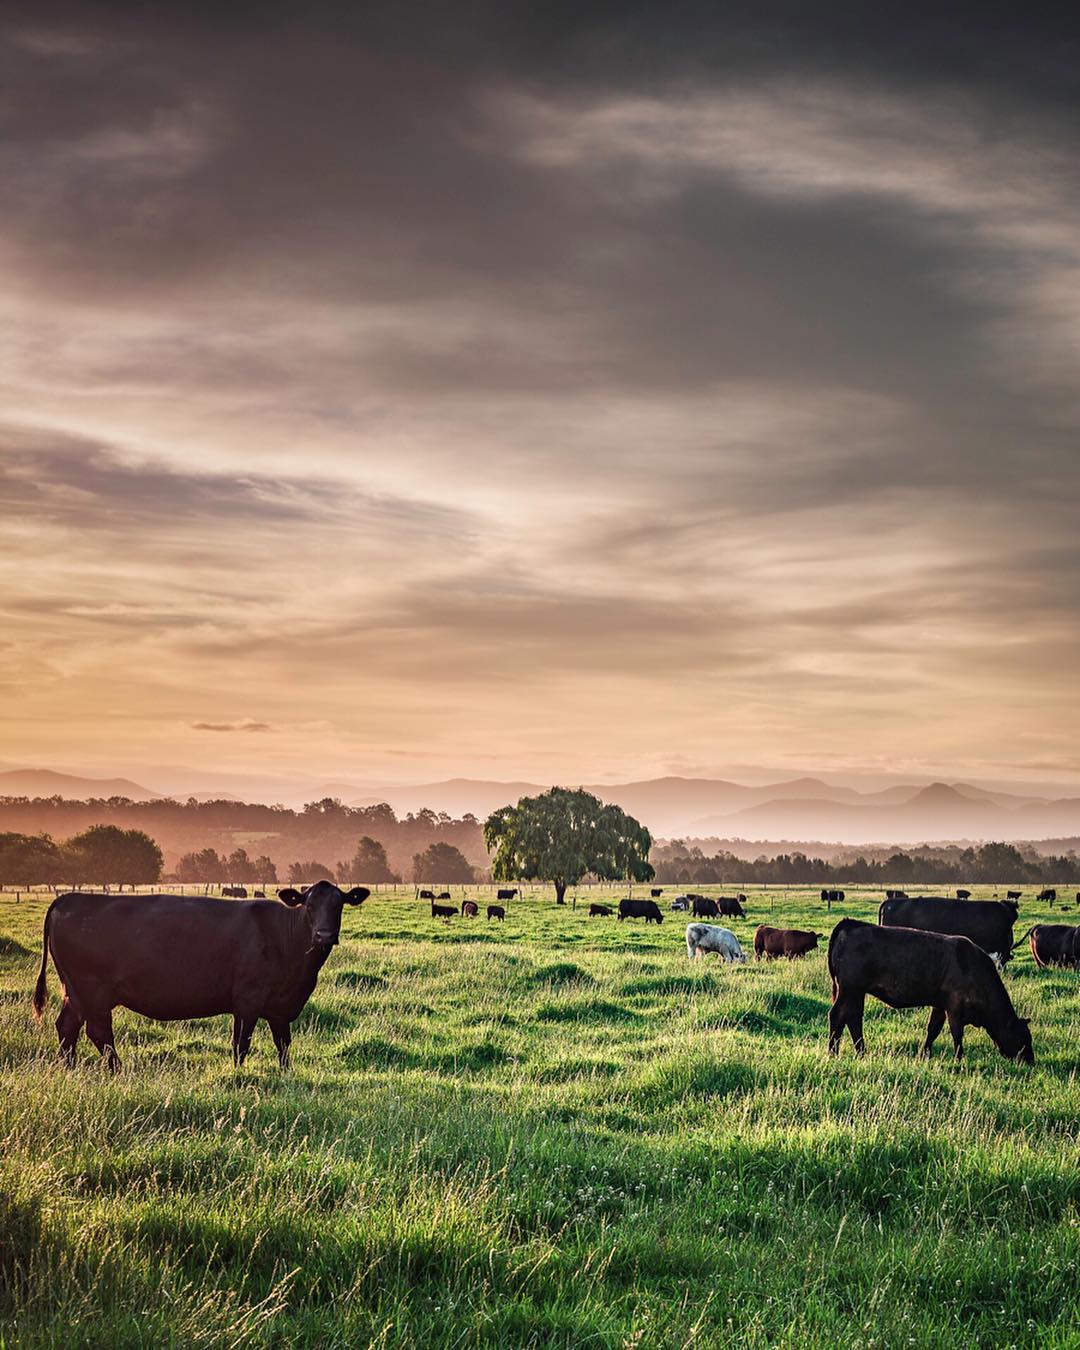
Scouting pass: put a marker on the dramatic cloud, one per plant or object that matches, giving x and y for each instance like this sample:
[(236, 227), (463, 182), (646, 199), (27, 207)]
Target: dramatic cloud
[(575, 394)]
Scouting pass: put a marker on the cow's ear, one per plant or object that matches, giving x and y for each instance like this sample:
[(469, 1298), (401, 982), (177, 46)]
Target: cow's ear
[(357, 895), (291, 897)]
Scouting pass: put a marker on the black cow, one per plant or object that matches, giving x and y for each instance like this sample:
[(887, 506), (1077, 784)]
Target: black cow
[(648, 910), (730, 906), (657, 892), (1013, 895), (507, 895), (907, 968), (831, 896), (260, 895), (175, 957), (896, 895), (600, 911), (703, 907), (1055, 944), (988, 923), (963, 895), (1048, 894), (443, 895), (442, 911), (496, 912), (235, 892), (427, 895)]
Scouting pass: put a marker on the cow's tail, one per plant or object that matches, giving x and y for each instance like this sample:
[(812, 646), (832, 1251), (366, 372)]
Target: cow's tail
[(1023, 938), (880, 914), (41, 989)]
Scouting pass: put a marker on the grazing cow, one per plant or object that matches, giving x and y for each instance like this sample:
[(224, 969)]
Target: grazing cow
[(657, 892), (963, 895), (680, 904), (496, 912), (470, 909), (831, 896), (790, 942), (703, 907), (427, 895), (896, 895), (908, 968), (730, 906), (173, 957), (507, 895), (702, 938), (988, 923), (442, 911), (648, 910), (1013, 895), (1055, 944), (443, 895), (235, 892), (1048, 894), (600, 911)]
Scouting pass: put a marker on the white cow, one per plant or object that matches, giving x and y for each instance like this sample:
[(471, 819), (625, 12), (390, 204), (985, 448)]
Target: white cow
[(708, 937)]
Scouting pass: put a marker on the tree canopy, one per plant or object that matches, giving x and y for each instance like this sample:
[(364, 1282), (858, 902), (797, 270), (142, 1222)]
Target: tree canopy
[(563, 835), (109, 854), (443, 863), (368, 863)]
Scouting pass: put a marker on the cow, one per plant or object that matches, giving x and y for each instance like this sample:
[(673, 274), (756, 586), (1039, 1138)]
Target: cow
[(896, 895), (235, 892), (600, 911), (988, 923), (1048, 894), (1055, 944), (470, 909), (703, 908), (963, 895), (730, 906), (507, 895), (790, 942), (648, 910), (680, 904), (912, 968), (443, 895), (173, 957), (656, 892), (702, 938), (496, 912), (442, 911), (260, 895), (1013, 895), (831, 896), (1078, 898), (426, 895)]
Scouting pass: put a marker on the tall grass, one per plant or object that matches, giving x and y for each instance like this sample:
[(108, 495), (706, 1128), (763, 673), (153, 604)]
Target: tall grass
[(553, 1132)]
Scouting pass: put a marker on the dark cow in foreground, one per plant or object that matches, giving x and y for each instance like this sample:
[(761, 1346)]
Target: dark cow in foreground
[(173, 957), (426, 895), (703, 907), (506, 895), (790, 942), (496, 912), (442, 911), (470, 909), (910, 968), (1013, 895), (648, 910), (963, 895), (988, 923), (600, 911), (1055, 944), (730, 906), (234, 892)]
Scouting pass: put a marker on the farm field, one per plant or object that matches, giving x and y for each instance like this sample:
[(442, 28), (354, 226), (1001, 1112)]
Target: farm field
[(555, 1131)]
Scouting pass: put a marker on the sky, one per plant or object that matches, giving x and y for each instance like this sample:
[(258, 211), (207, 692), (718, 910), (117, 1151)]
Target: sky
[(570, 392)]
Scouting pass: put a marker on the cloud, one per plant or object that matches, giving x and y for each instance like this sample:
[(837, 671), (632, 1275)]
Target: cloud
[(232, 726)]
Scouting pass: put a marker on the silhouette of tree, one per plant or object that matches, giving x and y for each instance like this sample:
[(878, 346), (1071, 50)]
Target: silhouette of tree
[(106, 853), (367, 864), (306, 873), (442, 862)]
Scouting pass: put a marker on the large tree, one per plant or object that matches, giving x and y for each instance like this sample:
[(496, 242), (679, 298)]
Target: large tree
[(443, 863), (562, 836), (368, 863), (29, 860), (107, 853)]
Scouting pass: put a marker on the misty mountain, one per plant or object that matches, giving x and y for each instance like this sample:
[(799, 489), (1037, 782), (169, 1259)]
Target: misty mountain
[(48, 783)]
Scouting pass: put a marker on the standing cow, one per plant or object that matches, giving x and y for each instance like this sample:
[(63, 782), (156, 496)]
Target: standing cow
[(496, 912), (730, 906), (792, 943), (1055, 944), (703, 908), (470, 909), (648, 910), (173, 957), (988, 923), (1047, 894)]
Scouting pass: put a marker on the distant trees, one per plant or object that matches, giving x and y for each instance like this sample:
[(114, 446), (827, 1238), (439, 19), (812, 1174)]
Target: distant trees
[(563, 835), (29, 860), (106, 853), (203, 867), (304, 873), (444, 863), (368, 863)]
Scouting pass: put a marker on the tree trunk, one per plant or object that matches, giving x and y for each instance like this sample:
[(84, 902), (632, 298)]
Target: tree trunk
[(560, 892)]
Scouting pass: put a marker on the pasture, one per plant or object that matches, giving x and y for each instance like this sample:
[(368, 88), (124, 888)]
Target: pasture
[(554, 1131)]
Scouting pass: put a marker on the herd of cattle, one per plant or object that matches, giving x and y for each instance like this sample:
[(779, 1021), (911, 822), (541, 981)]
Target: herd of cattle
[(171, 957)]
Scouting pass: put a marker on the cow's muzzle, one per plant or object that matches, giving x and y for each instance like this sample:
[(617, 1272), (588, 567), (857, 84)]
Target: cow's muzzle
[(324, 939)]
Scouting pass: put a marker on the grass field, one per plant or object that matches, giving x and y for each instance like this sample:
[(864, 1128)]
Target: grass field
[(552, 1132)]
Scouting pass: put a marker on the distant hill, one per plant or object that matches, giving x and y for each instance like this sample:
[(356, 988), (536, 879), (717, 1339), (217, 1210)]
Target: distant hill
[(48, 783)]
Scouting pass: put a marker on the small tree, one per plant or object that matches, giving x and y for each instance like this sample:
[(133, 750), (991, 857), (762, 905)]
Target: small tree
[(29, 859), (442, 862), (201, 868), (563, 835), (265, 873), (108, 853), (304, 873), (238, 866), (368, 863)]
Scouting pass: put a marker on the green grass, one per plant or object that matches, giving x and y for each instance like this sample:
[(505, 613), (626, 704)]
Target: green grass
[(551, 1132)]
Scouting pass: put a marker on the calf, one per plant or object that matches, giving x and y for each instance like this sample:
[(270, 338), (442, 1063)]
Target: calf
[(1055, 944), (496, 912), (907, 968), (442, 911), (470, 909), (175, 957), (657, 892), (680, 904), (790, 942), (702, 938), (703, 907), (648, 910), (600, 911), (730, 907), (963, 895)]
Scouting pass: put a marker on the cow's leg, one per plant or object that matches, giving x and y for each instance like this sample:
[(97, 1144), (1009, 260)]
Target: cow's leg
[(68, 1026), (282, 1034), (933, 1028), (837, 1021), (956, 1027), (243, 1030), (855, 1004), (99, 1028)]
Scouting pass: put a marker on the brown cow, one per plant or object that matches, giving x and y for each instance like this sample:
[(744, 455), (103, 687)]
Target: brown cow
[(790, 942), (912, 968), (173, 957), (496, 912), (1055, 944), (470, 908)]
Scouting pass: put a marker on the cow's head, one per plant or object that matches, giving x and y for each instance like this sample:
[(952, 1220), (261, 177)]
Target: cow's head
[(1016, 1043), (324, 902)]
